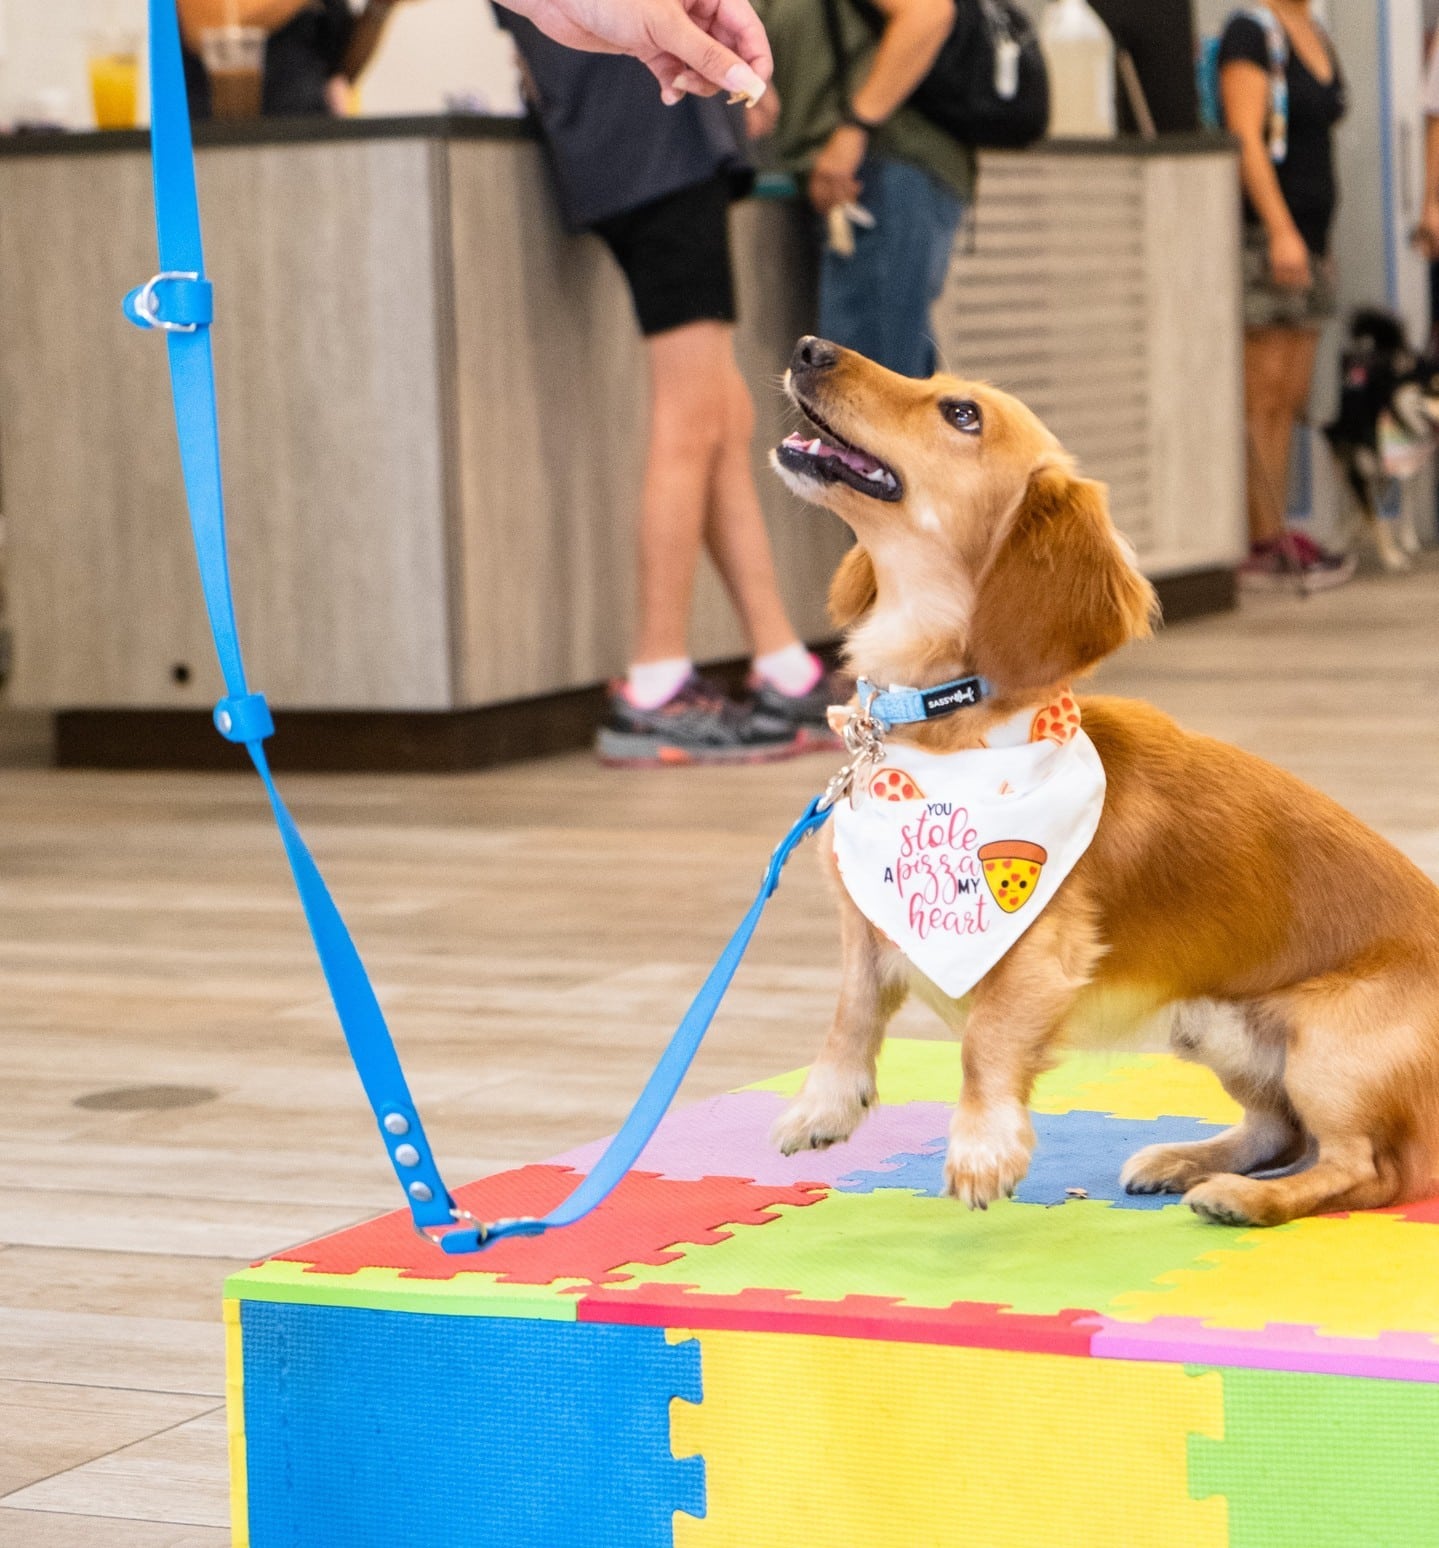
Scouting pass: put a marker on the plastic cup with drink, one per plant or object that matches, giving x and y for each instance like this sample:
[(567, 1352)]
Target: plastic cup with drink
[(235, 62), (114, 79)]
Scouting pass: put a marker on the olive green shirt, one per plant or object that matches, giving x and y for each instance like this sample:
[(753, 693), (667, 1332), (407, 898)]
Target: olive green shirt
[(805, 76)]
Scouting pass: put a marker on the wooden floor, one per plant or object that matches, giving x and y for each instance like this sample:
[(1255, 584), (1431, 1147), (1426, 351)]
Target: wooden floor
[(534, 934)]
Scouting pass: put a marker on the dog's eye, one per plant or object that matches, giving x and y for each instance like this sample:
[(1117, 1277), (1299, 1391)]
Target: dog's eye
[(963, 414)]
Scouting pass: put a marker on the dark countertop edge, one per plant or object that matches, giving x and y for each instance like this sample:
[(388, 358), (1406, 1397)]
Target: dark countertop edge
[(308, 130), (1202, 142), (475, 126)]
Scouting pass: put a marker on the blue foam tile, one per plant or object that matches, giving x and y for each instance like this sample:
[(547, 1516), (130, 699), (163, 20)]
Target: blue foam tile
[(376, 1429), (1074, 1150)]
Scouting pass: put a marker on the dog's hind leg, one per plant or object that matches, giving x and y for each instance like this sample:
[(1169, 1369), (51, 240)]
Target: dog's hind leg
[(840, 1086), (1354, 1066), (1247, 1054)]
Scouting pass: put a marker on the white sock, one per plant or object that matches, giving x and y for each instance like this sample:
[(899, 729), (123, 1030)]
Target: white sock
[(652, 683), (793, 670)]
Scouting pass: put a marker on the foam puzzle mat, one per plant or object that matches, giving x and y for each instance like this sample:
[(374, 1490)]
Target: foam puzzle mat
[(740, 1350)]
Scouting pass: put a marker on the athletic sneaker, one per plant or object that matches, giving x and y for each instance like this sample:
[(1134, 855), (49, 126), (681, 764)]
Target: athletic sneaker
[(1294, 560), (699, 725), (809, 712)]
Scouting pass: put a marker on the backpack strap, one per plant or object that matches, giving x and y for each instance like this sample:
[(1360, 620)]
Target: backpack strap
[(1277, 132)]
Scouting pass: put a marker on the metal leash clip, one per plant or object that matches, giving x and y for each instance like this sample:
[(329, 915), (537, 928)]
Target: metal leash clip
[(864, 741)]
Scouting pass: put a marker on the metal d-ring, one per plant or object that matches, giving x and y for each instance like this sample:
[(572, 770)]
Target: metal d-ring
[(435, 1235), (147, 303)]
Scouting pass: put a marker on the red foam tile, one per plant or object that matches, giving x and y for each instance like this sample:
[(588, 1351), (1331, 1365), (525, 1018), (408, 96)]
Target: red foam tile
[(968, 1324), (644, 1217)]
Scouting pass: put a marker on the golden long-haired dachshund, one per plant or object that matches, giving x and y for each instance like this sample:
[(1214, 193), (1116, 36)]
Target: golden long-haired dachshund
[(1302, 948)]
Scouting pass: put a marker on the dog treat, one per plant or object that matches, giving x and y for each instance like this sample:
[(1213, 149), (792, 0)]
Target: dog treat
[(1076, 1193), (1011, 871), (894, 785)]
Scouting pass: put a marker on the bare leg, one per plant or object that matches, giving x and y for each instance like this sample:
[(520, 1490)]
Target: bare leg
[(735, 532), (1018, 1010), (1269, 421), (840, 1086), (1247, 1054), (687, 398)]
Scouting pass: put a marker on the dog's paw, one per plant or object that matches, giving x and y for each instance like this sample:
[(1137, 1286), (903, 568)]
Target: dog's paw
[(827, 1110), (988, 1155), (1228, 1199), (1162, 1169)]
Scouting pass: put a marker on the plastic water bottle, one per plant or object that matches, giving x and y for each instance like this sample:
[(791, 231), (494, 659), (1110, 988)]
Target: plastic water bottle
[(1079, 54)]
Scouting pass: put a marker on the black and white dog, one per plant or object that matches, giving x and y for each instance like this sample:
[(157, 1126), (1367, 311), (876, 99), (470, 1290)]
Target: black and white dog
[(1385, 429)]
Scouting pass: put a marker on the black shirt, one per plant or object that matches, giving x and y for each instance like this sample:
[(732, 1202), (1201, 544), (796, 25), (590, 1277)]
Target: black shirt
[(613, 145), (300, 59), (1306, 175)]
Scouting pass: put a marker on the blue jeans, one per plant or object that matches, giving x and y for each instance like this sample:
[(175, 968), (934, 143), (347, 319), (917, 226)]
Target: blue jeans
[(878, 301)]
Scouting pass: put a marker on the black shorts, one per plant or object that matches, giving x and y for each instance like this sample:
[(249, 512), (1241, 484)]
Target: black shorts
[(675, 254)]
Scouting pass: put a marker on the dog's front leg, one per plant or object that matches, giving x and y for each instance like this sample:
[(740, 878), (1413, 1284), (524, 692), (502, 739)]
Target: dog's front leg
[(840, 1086), (1018, 1010)]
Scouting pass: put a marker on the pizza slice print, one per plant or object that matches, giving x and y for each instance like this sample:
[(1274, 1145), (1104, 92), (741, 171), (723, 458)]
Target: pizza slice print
[(1011, 871), (1057, 722), (894, 785)]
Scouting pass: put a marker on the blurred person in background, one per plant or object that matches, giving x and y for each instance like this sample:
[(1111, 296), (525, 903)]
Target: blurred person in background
[(1282, 92), (315, 51), (655, 183), (861, 149), (1429, 220)]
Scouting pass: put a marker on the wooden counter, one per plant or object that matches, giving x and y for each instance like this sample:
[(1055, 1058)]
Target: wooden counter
[(432, 412)]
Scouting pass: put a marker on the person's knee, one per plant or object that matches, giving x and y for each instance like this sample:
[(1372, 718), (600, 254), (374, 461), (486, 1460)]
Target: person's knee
[(739, 419), (689, 420)]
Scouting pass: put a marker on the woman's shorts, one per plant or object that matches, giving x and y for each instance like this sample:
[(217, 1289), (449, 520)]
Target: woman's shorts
[(675, 254), (1269, 305)]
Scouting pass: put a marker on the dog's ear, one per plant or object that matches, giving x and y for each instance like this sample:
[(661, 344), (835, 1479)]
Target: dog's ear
[(853, 589), (1061, 592)]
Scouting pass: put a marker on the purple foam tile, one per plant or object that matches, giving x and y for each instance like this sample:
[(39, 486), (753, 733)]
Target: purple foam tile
[(728, 1136), (1279, 1346)]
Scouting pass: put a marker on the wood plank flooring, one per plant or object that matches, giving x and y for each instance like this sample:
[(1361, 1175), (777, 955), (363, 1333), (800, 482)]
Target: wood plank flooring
[(534, 933)]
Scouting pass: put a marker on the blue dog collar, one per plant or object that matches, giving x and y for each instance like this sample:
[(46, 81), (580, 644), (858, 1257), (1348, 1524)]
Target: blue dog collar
[(895, 706)]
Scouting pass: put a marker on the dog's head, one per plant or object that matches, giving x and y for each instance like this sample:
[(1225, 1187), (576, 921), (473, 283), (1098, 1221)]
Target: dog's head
[(979, 549)]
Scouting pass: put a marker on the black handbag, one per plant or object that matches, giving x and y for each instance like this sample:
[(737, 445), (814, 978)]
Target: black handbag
[(988, 86)]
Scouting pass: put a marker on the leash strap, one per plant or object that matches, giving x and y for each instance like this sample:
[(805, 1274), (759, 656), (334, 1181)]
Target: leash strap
[(895, 706), (179, 302)]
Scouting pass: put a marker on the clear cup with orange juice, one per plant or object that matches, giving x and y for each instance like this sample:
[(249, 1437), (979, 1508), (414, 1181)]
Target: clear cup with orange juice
[(115, 79)]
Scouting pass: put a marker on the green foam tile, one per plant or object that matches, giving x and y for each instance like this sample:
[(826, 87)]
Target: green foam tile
[(1323, 1461), (928, 1251)]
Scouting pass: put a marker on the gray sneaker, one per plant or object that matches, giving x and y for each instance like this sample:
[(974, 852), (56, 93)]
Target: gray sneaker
[(809, 712), (699, 725)]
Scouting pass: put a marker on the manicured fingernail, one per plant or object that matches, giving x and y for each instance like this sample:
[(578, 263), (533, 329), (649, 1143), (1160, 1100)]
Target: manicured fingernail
[(742, 80)]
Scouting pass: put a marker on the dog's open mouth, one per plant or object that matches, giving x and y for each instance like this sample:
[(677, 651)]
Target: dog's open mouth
[(829, 458)]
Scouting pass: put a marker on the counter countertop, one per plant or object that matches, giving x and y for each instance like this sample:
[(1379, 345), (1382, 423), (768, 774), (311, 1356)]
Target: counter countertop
[(474, 126)]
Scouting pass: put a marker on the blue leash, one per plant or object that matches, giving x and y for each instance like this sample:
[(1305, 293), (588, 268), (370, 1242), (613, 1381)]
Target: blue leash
[(179, 301)]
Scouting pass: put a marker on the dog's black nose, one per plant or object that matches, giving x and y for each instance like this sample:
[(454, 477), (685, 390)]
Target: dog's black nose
[(812, 354)]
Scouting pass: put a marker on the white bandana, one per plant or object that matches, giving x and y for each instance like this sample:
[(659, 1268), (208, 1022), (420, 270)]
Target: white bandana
[(952, 856)]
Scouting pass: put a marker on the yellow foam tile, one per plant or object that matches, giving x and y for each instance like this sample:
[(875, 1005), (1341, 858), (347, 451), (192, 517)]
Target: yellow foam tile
[(1126, 1085), (827, 1440), (1136, 1086), (1355, 1276), (235, 1426)]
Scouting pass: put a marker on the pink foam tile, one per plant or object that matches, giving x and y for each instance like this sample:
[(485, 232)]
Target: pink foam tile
[(1279, 1346), (728, 1136)]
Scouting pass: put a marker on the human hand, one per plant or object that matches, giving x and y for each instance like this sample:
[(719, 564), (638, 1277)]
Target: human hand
[(699, 46), (1289, 260), (761, 118), (833, 178)]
